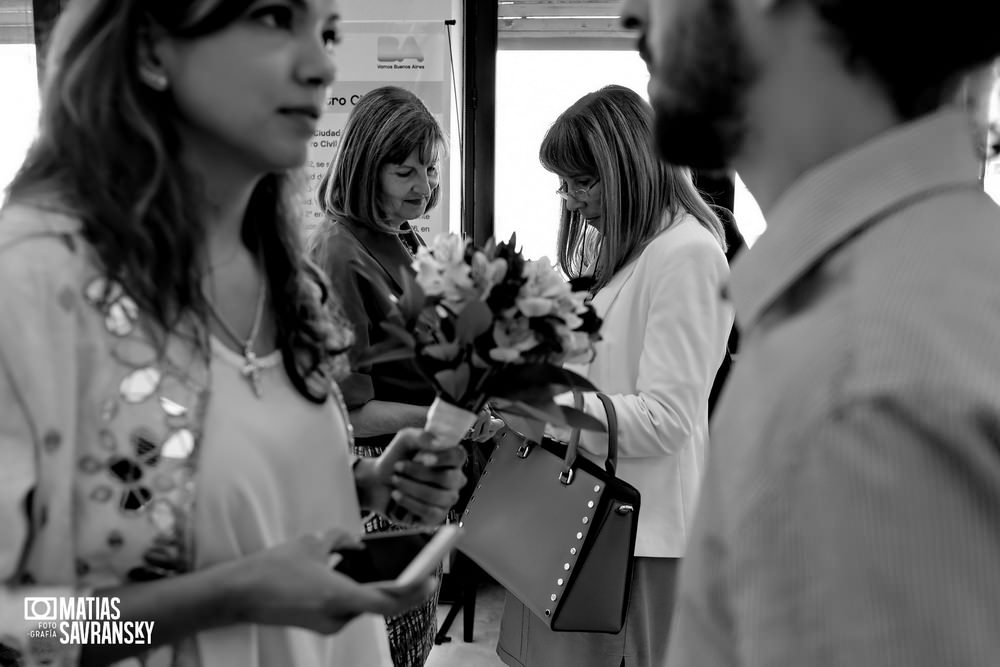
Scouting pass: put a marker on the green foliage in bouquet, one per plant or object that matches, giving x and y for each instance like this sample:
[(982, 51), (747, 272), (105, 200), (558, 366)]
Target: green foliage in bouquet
[(488, 325)]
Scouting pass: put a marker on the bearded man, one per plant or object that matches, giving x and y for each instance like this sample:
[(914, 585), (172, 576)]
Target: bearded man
[(850, 513)]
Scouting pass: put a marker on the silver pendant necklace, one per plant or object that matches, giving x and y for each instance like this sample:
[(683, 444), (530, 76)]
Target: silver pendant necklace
[(251, 364), (406, 247)]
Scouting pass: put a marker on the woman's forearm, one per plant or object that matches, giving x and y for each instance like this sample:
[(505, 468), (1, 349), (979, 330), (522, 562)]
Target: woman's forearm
[(386, 418), (178, 607)]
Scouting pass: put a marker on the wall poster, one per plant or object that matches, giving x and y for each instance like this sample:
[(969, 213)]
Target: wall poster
[(372, 54)]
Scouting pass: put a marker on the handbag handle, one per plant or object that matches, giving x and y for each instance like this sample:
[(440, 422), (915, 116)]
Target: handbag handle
[(611, 462)]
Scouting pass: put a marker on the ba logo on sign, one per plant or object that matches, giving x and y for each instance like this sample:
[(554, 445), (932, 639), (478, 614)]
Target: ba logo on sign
[(391, 49)]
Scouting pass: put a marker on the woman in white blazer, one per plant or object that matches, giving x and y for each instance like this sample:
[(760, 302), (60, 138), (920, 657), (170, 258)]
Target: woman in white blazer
[(655, 253)]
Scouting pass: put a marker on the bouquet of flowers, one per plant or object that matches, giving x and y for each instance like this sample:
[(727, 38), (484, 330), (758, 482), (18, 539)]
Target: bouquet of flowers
[(487, 325)]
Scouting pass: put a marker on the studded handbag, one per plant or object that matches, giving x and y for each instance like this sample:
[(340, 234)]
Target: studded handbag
[(556, 530)]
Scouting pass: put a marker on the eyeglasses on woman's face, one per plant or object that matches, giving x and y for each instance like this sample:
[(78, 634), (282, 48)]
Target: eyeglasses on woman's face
[(580, 194)]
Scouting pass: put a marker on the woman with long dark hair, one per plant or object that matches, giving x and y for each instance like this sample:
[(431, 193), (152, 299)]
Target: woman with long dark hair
[(172, 433)]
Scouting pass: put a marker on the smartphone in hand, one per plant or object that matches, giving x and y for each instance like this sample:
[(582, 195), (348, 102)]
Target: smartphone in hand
[(399, 557)]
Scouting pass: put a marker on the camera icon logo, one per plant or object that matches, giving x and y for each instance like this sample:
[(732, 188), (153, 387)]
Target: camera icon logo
[(41, 609)]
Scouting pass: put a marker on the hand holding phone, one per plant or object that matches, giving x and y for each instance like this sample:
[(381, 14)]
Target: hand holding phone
[(400, 558), (430, 556), (290, 584)]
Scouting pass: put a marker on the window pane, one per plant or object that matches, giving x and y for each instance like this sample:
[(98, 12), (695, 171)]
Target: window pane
[(19, 111), (991, 180)]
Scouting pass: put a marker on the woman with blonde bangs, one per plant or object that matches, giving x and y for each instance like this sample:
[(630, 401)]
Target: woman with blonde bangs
[(172, 435), (639, 233)]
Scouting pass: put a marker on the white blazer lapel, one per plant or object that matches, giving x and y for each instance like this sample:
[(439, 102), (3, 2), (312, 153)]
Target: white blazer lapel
[(608, 294)]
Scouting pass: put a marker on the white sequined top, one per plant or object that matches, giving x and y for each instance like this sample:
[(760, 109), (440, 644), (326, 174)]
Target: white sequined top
[(119, 465)]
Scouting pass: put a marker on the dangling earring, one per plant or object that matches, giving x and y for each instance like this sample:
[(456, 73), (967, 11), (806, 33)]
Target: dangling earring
[(155, 80)]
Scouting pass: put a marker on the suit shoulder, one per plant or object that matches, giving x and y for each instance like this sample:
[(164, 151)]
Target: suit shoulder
[(333, 248), (686, 239)]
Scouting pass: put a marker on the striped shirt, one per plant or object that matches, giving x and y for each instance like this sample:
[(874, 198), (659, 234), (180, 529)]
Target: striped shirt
[(850, 513)]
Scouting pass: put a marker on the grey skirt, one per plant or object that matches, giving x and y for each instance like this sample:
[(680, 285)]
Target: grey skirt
[(525, 641)]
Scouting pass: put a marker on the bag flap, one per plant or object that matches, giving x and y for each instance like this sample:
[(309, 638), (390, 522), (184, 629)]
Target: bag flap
[(597, 597)]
